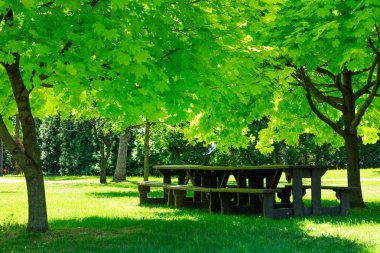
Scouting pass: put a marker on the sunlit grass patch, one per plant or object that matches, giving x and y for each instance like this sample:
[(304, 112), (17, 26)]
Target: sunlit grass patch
[(85, 216)]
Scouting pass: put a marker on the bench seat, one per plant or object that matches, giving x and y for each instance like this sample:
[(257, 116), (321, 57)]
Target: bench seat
[(216, 197), (342, 194), (144, 189)]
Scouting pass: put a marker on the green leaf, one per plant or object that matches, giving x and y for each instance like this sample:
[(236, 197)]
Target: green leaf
[(71, 70), (28, 3)]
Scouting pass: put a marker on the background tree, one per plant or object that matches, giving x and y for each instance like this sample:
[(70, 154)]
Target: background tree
[(51, 145), (122, 156), (77, 147), (104, 135), (327, 60)]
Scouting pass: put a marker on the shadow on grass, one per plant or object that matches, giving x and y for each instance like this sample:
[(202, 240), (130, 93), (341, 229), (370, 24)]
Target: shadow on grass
[(114, 194), (65, 178), (9, 192), (180, 231)]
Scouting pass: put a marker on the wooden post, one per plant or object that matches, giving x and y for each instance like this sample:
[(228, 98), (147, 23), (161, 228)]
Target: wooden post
[(344, 197), (268, 202), (297, 192), (143, 191), (179, 196), (316, 191), (146, 150)]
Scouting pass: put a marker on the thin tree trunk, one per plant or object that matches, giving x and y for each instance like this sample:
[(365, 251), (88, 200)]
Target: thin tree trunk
[(146, 150), (1, 158), (122, 156), (103, 165), (353, 169)]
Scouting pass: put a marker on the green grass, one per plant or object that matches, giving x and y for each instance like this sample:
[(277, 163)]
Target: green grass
[(85, 216)]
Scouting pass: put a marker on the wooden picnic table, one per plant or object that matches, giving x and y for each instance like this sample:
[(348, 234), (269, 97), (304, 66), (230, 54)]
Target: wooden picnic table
[(266, 177)]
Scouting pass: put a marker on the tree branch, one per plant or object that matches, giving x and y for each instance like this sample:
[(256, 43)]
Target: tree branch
[(335, 102), (359, 115), (326, 72), (305, 79), (66, 47), (320, 115), (14, 149), (355, 73), (93, 3), (372, 46), (169, 53), (365, 89)]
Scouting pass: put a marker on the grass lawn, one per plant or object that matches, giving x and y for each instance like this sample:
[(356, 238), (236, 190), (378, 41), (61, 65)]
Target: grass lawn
[(85, 216)]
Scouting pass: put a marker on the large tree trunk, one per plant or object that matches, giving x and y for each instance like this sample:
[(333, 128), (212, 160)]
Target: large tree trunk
[(146, 150), (1, 158), (28, 158), (122, 156), (353, 169), (37, 215)]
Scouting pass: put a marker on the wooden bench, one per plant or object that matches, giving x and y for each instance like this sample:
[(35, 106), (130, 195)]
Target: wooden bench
[(144, 189), (342, 194), (178, 193)]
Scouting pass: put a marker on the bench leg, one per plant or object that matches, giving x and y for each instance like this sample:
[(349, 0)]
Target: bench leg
[(226, 201), (215, 203), (284, 195), (344, 197), (268, 205), (179, 196), (170, 195), (143, 191)]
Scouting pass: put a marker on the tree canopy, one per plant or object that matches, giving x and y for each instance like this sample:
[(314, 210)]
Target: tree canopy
[(214, 66)]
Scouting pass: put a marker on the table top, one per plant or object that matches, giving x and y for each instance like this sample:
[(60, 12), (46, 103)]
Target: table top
[(235, 168)]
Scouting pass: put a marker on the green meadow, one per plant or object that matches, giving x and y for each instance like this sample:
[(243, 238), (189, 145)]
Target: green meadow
[(85, 216)]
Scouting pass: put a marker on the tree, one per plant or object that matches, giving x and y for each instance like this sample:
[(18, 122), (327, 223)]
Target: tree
[(104, 136), (33, 57), (50, 143), (122, 156), (29, 157), (326, 59), (135, 59)]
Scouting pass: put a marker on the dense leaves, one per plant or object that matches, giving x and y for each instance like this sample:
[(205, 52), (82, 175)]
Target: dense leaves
[(69, 147)]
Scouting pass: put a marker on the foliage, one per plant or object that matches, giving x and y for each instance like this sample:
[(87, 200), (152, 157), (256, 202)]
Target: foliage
[(310, 43)]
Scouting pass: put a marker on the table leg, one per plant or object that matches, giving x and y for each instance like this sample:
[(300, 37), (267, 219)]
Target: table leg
[(298, 208), (167, 180), (197, 195), (254, 199), (316, 204), (182, 179), (242, 183), (215, 204)]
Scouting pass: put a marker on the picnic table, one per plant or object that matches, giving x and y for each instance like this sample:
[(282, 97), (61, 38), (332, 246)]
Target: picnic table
[(253, 189)]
